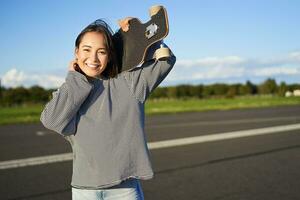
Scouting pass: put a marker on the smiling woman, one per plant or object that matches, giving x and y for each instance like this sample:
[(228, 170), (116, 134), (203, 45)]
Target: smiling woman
[(101, 113)]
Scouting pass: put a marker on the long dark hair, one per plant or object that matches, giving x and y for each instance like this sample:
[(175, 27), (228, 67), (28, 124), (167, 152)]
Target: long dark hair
[(100, 26)]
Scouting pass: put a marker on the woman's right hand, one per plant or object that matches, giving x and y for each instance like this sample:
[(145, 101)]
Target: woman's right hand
[(73, 66)]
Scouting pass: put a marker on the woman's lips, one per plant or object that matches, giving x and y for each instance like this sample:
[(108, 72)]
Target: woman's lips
[(92, 65)]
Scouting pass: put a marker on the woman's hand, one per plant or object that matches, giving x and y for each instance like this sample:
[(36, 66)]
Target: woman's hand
[(124, 23), (73, 66)]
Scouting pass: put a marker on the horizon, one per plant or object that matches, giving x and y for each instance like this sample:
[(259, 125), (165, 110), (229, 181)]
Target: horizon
[(278, 84)]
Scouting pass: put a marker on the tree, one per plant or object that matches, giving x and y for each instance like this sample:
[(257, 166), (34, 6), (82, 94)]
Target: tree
[(294, 86), (247, 89), (15, 96), (159, 92), (0, 92), (172, 92), (282, 89), (268, 87), (38, 94), (233, 90), (220, 89), (208, 91), (196, 91), (183, 91), (252, 87)]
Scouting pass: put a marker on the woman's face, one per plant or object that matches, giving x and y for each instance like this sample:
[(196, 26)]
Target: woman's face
[(92, 55)]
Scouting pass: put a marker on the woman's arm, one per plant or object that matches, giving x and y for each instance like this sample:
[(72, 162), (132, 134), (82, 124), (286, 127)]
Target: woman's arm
[(59, 114), (143, 80)]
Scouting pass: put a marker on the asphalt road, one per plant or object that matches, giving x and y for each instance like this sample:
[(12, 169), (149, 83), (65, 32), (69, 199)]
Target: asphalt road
[(262, 167)]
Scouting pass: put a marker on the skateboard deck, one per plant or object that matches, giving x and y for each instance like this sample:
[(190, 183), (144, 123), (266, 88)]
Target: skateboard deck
[(132, 45)]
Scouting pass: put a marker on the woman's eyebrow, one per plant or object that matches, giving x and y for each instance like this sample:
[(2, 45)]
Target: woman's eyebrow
[(88, 46)]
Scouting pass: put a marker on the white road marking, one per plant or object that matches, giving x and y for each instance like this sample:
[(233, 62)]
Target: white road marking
[(235, 121), (156, 145), (40, 133), (35, 161), (222, 136)]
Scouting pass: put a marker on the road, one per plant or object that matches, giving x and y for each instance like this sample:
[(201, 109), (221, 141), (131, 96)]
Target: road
[(264, 166)]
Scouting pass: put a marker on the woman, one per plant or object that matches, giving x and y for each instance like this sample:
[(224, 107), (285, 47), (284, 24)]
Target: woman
[(101, 113)]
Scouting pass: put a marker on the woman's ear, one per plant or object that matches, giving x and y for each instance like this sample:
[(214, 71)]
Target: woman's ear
[(76, 52)]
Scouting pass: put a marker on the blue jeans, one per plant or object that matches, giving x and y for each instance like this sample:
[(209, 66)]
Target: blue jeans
[(127, 190)]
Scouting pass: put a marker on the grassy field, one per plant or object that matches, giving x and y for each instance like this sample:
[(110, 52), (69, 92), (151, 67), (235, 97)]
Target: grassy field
[(22, 114), (196, 105), (29, 114)]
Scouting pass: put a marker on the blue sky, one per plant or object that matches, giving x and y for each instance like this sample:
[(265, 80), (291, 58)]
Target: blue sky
[(214, 41)]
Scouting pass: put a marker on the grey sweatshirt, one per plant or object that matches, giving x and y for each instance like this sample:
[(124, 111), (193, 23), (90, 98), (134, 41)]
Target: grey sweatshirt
[(103, 120)]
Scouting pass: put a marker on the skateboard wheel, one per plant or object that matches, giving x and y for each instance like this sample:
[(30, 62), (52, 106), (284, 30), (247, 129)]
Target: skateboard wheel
[(162, 53), (154, 9)]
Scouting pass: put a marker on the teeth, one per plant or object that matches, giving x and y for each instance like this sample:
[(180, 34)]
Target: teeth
[(92, 65)]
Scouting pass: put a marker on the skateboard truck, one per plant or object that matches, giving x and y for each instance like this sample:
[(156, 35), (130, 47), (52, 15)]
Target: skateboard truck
[(161, 52)]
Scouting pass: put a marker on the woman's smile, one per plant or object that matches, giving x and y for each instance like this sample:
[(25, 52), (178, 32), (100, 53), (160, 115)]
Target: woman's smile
[(92, 65)]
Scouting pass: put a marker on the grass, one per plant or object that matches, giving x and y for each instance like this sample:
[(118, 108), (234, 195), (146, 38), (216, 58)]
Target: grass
[(20, 114), (198, 105), (31, 113)]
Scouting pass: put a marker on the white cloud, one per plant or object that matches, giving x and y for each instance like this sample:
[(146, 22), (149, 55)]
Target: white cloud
[(211, 61), (217, 72), (294, 57), (226, 69), (15, 78), (274, 71), (207, 68)]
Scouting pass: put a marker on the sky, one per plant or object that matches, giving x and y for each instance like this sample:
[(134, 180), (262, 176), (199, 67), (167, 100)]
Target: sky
[(215, 41)]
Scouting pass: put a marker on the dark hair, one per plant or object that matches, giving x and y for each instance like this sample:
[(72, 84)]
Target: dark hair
[(100, 26)]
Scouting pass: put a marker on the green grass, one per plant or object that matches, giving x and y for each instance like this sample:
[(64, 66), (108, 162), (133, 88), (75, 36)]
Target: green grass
[(20, 114), (197, 105), (31, 113)]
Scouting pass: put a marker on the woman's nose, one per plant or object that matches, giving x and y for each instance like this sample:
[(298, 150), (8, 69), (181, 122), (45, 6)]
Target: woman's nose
[(94, 57)]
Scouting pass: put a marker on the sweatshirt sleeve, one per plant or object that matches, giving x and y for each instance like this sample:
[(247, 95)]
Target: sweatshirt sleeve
[(143, 80), (60, 112)]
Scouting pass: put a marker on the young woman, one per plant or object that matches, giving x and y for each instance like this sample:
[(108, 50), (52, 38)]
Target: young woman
[(101, 113)]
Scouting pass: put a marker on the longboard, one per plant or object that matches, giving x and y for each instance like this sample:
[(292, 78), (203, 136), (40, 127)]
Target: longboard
[(132, 44)]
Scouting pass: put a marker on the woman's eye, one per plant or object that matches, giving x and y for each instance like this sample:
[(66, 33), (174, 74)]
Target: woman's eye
[(102, 52), (86, 50)]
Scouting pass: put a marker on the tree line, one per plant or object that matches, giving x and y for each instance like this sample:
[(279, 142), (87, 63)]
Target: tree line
[(38, 95), (268, 87)]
